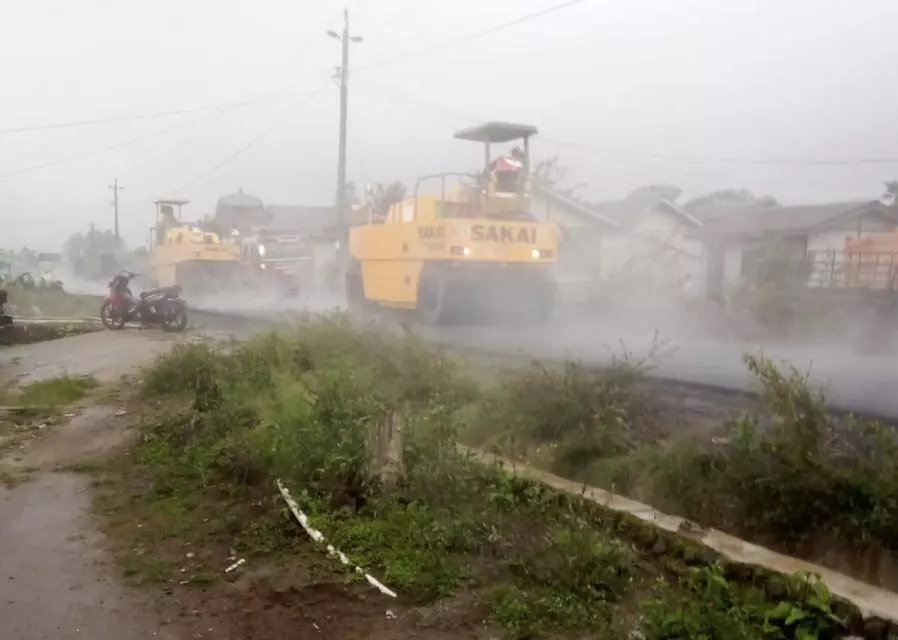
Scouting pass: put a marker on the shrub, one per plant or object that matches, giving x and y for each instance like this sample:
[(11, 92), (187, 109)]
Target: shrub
[(584, 414), (806, 473), (708, 606), (299, 403)]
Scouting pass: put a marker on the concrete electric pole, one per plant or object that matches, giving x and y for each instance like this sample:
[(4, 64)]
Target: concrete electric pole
[(115, 189), (342, 227)]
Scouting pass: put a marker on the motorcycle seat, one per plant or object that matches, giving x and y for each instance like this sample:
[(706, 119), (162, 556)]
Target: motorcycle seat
[(161, 291)]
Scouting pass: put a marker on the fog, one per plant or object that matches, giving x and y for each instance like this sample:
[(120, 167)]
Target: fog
[(792, 99), (625, 92)]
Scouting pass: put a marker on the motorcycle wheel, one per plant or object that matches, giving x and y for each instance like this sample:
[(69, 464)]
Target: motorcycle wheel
[(109, 320), (175, 318)]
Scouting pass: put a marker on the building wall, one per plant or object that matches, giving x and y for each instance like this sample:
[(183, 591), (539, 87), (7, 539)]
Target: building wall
[(732, 266), (657, 249), (833, 239), (658, 224), (580, 253)]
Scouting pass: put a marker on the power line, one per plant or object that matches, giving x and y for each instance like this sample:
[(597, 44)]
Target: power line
[(163, 114), (101, 150), (117, 145), (470, 36), (730, 159), (431, 106), (392, 92), (246, 147), (142, 116)]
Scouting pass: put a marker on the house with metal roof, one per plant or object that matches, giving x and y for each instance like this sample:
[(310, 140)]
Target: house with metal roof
[(645, 235), (733, 240), (313, 221)]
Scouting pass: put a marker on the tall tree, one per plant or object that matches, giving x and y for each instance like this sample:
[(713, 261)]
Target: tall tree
[(891, 195), (352, 193), (549, 172), (381, 197)]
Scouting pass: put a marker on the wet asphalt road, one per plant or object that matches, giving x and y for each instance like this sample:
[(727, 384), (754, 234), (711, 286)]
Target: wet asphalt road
[(851, 381), (865, 383), (56, 582)]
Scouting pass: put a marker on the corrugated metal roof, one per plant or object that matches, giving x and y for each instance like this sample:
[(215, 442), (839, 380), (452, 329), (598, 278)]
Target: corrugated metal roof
[(623, 213), (574, 205), (749, 221), (240, 200), (709, 213), (301, 218)]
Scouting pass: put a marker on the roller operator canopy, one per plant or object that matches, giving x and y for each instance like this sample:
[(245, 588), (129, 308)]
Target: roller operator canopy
[(497, 132)]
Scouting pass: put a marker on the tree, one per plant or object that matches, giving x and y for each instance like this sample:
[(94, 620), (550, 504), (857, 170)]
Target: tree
[(549, 172), (352, 193), (84, 252), (891, 195), (730, 198), (381, 197)]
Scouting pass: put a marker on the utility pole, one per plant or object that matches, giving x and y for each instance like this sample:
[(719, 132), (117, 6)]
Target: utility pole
[(115, 189), (342, 228)]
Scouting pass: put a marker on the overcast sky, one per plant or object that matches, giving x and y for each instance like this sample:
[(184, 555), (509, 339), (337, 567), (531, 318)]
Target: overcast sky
[(617, 87)]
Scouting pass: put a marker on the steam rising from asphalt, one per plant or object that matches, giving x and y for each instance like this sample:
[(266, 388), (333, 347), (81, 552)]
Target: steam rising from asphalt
[(641, 324), (646, 326)]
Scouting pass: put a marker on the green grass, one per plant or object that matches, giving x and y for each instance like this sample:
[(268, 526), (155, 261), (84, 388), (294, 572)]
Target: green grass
[(783, 477), (51, 393), (299, 405)]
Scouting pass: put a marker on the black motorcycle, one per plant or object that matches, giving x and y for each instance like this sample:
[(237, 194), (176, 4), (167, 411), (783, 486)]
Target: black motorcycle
[(163, 306)]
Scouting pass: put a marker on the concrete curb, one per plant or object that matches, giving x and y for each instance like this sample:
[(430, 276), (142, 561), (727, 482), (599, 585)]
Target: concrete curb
[(877, 607)]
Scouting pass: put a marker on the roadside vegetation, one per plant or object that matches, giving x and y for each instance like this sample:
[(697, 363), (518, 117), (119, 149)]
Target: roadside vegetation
[(221, 425), (794, 477), (52, 393), (34, 302), (30, 333), (28, 411)]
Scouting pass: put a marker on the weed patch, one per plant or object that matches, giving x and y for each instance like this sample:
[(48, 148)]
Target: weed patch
[(807, 472), (781, 478), (575, 413), (300, 404), (55, 392), (705, 604)]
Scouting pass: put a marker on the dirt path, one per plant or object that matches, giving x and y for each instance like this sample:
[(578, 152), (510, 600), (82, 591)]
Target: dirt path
[(56, 581), (105, 354)]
